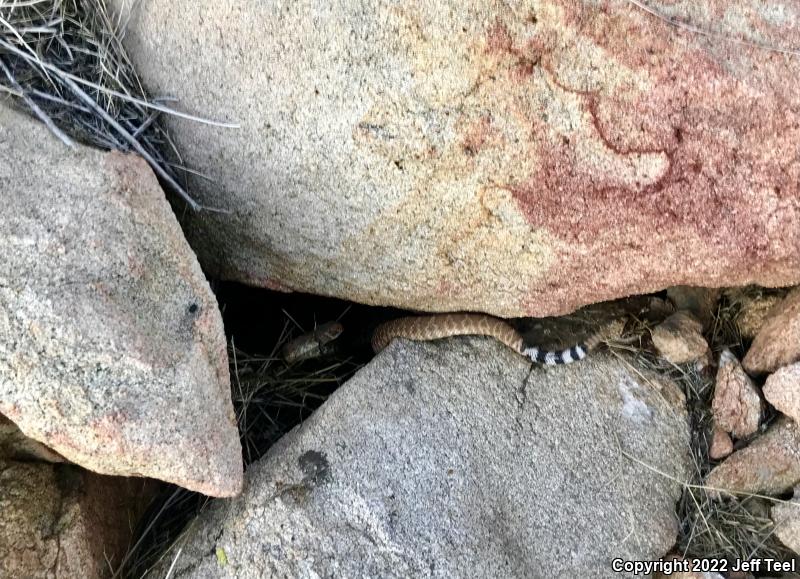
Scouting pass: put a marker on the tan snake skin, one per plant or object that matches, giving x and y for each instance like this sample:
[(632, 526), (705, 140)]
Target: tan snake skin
[(446, 325)]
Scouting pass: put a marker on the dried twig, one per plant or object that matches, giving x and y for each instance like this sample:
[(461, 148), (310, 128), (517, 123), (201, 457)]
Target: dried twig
[(35, 108), (63, 60)]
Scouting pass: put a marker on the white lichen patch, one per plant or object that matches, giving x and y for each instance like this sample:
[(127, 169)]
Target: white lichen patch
[(633, 407)]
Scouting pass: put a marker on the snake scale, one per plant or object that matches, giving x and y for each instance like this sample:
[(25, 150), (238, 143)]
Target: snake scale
[(434, 327), (446, 325)]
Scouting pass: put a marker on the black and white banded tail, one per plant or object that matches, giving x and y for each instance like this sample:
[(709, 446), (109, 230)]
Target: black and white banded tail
[(578, 352), (554, 357)]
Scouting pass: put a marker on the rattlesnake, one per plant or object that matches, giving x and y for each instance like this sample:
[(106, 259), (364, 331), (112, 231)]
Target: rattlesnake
[(446, 325), (438, 326)]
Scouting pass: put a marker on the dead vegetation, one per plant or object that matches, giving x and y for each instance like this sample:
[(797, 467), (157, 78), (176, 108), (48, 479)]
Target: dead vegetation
[(710, 526), (63, 61), (271, 397)]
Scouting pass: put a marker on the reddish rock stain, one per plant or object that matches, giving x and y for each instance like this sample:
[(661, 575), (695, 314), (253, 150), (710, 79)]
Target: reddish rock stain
[(498, 39), (726, 132), (477, 134), (262, 281)]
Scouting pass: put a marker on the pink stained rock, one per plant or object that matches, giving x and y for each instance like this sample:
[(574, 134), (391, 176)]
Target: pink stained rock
[(512, 158), (721, 444), (768, 465), (737, 404), (782, 390), (112, 349)]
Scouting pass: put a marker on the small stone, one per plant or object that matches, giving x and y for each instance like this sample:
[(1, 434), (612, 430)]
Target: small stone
[(721, 444), (700, 301), (737, 404), (778, 342), (754, 306), (769, 465), (786, 518), (782, 390), (680, 340)]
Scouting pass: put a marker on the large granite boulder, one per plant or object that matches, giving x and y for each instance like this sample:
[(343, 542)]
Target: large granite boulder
[(518, 158), (112, 351), (459, 460)]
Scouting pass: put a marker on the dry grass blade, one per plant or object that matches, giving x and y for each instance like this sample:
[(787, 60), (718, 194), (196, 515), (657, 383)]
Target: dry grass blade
[(63, 61), (270, 397), (34, 107), (164, 523)]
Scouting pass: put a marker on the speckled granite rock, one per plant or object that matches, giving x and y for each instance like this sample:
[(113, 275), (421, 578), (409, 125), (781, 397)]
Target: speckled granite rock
[(786, 516), (782, 390), (519, 158), (768, 465), (112, 351), (737, 402), (721, 444), (459, 459), (679, 339), (16, 446), (778, 341)]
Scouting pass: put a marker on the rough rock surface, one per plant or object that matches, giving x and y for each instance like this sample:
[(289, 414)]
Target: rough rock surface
[(61, 522), (778, 342), (460, 460), (519, 158), (782, 390), (112, 350), (768, 465), (700, 301), (754, 305), (679, 339), (16, 446), (737, 403), (786, 517), (721, 444)]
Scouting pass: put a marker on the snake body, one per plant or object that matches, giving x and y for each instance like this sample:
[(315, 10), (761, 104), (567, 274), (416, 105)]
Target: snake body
[(446, 325), (424, 328)]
